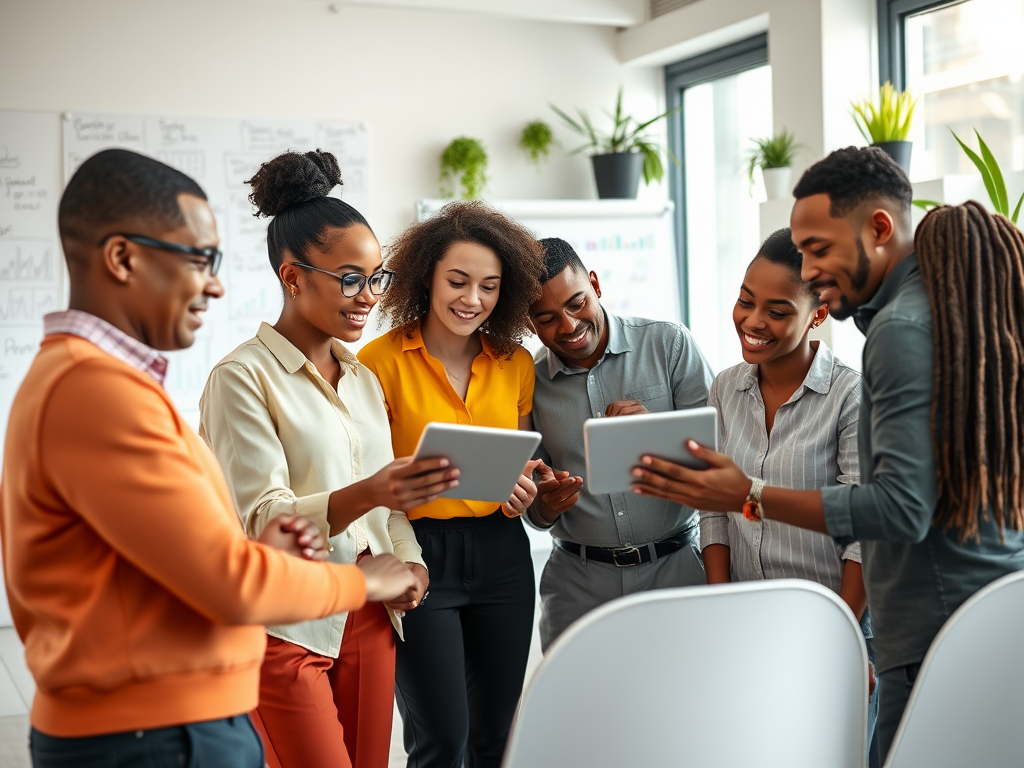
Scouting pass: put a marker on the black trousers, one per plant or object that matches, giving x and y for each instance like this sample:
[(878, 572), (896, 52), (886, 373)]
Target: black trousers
[(228, 743), (459, 673)]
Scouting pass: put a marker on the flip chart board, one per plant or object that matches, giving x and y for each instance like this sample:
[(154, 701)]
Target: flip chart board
[(221, 154), (630, 244)]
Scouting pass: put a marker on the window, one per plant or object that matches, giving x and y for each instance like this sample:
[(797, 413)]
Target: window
[(726, 100), (965, 61)]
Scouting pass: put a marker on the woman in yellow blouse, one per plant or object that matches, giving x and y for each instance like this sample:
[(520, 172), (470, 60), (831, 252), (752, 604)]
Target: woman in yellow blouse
[(300, 426), (464, 281)]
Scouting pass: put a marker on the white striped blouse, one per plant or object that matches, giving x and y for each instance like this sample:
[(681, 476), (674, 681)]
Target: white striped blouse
[(813, 444)]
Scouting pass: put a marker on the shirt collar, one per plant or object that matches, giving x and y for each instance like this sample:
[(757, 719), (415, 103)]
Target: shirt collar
[(818, 378), (886, 292), (289, 356), (412, 338), (111, 340), (618, 343)]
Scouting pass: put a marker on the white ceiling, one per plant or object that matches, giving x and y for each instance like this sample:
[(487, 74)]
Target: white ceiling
[(614, 13)]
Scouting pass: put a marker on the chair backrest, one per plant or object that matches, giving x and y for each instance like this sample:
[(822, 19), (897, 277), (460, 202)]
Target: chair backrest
[(766, 674), (967, 706)]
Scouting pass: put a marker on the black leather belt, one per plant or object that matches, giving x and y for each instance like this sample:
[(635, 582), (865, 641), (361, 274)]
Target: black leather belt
[(625, 557)]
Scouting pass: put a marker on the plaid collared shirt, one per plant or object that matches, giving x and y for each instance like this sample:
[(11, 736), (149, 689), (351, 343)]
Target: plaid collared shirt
[(108, 338)]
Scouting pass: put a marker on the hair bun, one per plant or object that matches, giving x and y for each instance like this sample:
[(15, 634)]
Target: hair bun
[(293, 178)]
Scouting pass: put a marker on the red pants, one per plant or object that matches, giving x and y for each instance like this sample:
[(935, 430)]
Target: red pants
[(319, 712)]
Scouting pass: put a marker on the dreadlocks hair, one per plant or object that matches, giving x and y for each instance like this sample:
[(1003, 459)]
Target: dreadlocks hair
[(972, 264), (414, 255)]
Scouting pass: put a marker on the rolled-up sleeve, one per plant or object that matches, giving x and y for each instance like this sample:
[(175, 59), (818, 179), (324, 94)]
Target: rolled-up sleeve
[(714, 526), (238, 426), (691, 376), (898, 503), (403, 538)]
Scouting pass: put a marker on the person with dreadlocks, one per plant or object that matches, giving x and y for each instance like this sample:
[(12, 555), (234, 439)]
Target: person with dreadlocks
[(943, 319)]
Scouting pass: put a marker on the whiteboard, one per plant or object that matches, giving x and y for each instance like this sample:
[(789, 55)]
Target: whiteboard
[(32, 274), (630, 244), (39, 151), (221, 154)]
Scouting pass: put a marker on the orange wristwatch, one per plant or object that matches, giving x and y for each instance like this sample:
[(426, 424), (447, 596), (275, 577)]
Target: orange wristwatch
[(752, 509)]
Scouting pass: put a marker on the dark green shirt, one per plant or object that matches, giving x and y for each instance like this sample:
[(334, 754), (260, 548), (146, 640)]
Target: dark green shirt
[(915, 574)]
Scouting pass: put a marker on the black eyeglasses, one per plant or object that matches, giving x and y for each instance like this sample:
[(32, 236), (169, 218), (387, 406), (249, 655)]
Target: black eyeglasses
[(213, 256), (352, 283)]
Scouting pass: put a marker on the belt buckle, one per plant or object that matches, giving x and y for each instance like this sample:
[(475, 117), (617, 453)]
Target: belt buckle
[(625, 551)]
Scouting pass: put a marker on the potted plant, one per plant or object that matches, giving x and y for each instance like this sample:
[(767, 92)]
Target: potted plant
[(991, 174), (774, 156), (619, 157), (535, 142), (886, 124), (464, 161)]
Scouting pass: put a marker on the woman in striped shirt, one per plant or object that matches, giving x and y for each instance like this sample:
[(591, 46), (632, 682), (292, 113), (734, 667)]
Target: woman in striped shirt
[(788, 415)]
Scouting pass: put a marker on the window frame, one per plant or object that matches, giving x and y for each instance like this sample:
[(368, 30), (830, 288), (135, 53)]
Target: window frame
[(721, 62), (892, 24)]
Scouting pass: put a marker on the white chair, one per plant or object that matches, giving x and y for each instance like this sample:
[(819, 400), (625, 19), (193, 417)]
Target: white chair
[(767, 674), (967, 706)]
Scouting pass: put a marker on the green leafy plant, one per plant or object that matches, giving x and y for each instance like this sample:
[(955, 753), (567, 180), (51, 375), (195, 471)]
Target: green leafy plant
[(535, 141), (464, 162), (889, 119), (992, 176), (627, 135), (776, 151), (995, 185)]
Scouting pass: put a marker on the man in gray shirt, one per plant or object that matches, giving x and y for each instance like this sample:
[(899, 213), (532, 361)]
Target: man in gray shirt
[(852, 223), (595, 364)]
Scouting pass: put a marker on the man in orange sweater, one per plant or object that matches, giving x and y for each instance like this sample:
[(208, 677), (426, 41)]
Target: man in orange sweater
[(135, 591)]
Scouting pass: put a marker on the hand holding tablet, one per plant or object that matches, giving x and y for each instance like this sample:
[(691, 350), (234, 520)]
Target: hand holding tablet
[(407, 483), (615, 446), (490, 461)]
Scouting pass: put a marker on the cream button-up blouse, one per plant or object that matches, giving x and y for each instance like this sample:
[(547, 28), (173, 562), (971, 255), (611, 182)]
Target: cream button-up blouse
[(286, 440)]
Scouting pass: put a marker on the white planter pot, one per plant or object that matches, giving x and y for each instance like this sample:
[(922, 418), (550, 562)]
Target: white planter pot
[(777, 182)]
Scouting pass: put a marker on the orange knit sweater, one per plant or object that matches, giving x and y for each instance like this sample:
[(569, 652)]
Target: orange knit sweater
[(138, 597)]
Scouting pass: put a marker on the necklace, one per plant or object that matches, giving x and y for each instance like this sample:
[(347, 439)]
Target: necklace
[(457, 378)]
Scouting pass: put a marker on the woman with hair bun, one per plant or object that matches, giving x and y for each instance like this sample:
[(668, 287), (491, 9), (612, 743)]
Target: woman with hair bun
[(464, 281), (300, 426)]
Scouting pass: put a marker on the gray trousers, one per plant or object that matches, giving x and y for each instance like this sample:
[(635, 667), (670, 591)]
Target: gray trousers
[(570, 588)]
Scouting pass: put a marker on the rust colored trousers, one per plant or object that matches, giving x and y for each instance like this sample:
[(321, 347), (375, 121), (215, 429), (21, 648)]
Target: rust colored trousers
[(319, 712)]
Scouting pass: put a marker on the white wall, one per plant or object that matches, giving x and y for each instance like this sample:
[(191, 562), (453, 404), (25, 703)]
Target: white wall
[(418, 78)]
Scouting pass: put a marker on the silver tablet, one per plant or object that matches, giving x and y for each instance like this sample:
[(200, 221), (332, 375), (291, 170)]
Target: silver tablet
[(489, 460), (614, 445)]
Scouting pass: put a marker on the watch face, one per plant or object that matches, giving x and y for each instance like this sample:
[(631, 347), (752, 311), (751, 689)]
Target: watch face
[(752, 511)]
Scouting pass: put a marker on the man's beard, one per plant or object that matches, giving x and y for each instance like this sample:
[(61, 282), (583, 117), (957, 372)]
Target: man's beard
[(858, 280)]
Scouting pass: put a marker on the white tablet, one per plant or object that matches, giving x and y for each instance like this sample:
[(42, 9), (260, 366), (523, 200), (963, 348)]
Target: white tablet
[(614, 445), (489, 460)]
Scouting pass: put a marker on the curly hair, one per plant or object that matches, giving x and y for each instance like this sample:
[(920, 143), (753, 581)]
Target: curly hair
[(413, 256), (853, 175)]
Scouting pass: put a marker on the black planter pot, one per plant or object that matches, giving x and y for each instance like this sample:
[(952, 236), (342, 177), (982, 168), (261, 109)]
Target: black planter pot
[(618, 174), (898, 151)]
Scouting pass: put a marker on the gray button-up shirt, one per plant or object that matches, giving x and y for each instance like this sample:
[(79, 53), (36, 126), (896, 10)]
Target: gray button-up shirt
[(916, 575), (653, 361), (813, 443)]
